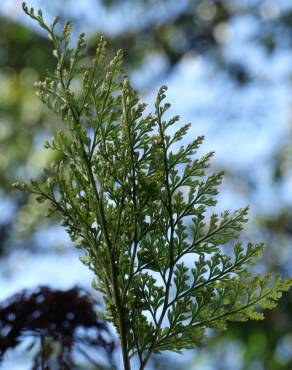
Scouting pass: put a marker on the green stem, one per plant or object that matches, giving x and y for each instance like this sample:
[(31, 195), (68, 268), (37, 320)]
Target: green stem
[(100, 216), (114, 272), (169, 208)]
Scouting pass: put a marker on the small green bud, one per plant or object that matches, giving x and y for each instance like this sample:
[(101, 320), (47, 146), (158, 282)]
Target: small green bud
[(64, 222), (47, 144), (20, 186), (40, 199)]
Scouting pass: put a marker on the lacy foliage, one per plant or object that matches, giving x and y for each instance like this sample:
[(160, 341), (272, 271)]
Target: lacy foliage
[(137, 202)]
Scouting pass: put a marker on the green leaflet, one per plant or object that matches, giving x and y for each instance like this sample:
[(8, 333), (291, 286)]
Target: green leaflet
[(136, 204)]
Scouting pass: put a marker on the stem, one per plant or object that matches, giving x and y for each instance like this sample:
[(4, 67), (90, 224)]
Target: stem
[(114, 272), (100, 216), (128, 122), (42, 352), (169, 208)]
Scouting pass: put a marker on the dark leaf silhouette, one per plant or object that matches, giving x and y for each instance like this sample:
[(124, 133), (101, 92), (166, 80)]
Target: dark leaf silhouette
[(60, 324)]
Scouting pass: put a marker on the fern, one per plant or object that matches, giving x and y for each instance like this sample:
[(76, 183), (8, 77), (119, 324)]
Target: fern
[(127, 195)]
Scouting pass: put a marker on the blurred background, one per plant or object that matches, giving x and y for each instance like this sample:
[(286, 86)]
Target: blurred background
[(228, 66)]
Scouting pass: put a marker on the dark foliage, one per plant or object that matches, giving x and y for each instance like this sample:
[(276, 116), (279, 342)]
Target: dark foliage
[(53, 319)]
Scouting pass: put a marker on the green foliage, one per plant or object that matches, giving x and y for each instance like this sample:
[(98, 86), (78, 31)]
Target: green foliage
[(138, 208)]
